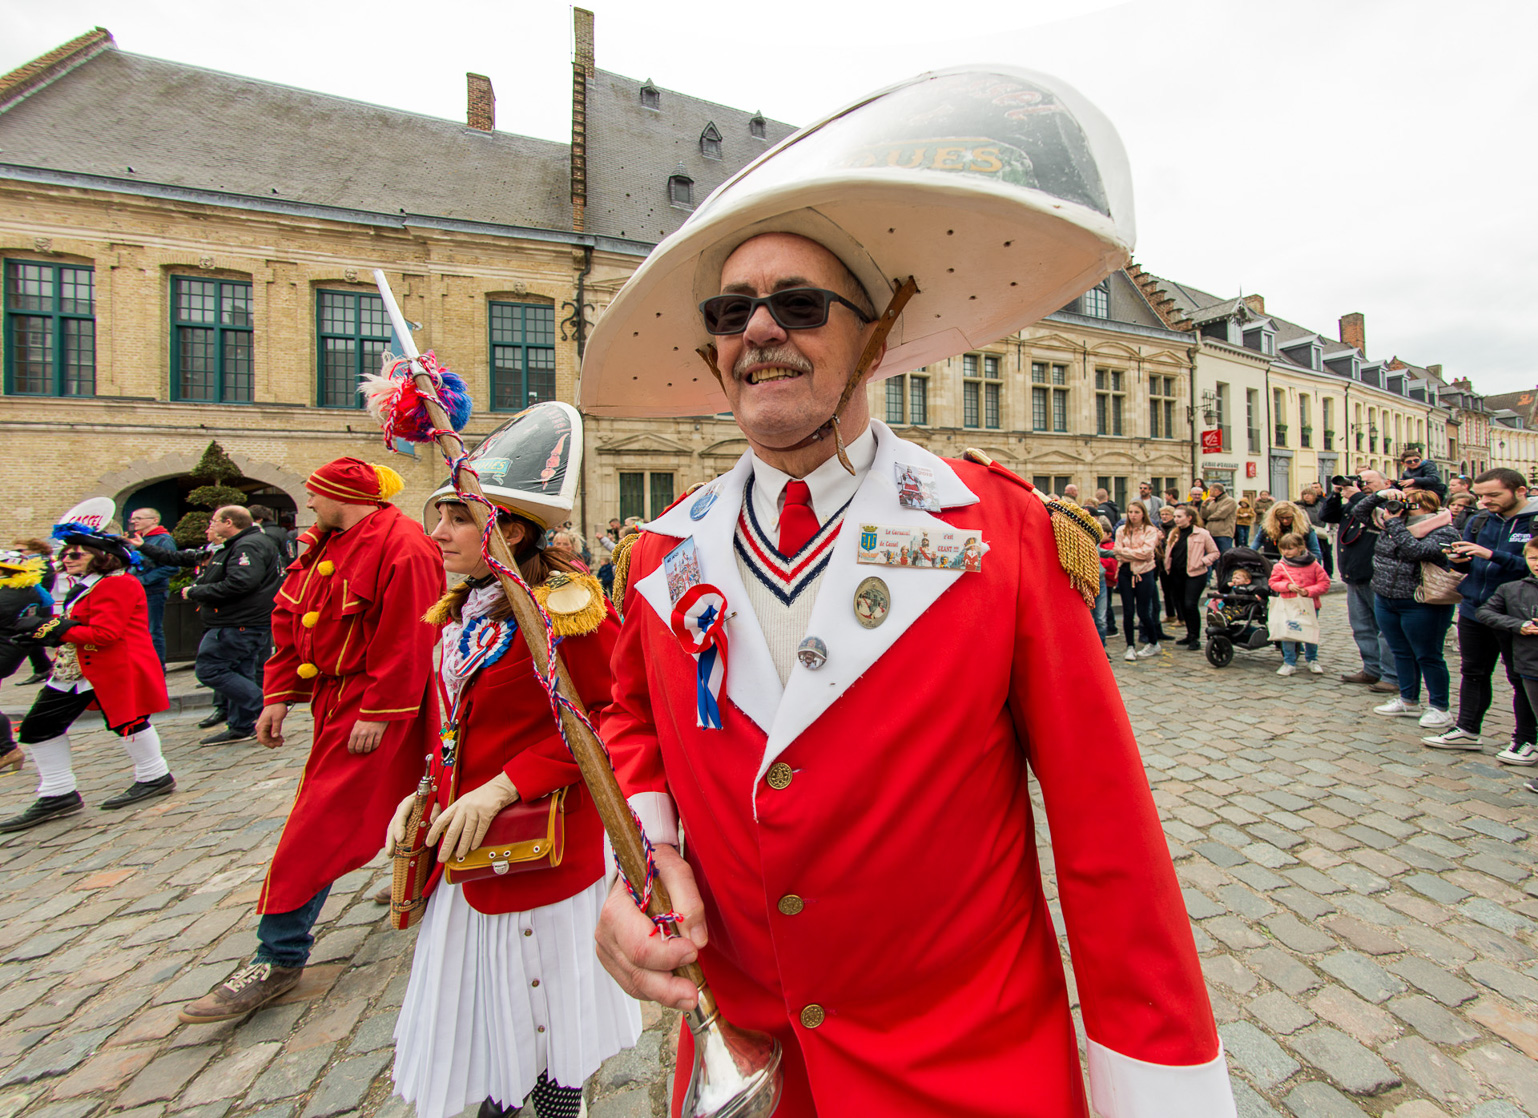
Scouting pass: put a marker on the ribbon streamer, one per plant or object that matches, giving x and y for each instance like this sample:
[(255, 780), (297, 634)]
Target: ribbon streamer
[(699, 621)]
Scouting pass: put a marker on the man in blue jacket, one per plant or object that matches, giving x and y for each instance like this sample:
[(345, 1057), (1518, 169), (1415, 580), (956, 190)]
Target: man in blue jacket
[(1491, 554), (155, 576)]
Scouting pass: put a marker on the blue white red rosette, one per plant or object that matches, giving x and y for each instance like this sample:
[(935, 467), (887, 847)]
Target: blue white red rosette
[(699, 620)]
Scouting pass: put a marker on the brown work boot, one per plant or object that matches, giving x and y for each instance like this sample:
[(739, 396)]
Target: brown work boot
[(249, 988), (1359, 677), (383, 896), (1384, 687)]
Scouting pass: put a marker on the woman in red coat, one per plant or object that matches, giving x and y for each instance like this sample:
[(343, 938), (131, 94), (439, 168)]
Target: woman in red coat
[(506, 998), (105, 662)]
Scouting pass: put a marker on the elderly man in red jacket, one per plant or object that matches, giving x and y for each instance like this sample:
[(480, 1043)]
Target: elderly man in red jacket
[(350, 637)]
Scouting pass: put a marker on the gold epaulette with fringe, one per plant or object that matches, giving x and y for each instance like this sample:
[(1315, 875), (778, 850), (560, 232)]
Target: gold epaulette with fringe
[(442, 611), (574, 602), (1075, 531), (621, 562)]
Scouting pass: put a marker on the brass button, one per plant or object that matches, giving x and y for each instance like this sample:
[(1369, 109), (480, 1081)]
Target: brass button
[(812, 1016), (535, 982), (542, 1028), (791, 905), (528, 931), (780, 775)]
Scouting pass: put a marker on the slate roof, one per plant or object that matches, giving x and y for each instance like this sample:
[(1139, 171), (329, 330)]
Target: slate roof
[(632, 151)]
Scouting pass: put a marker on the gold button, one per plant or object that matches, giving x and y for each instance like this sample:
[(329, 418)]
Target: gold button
[(812, 1016), (307, 671), (311, 619), (791, 905), (535, 982), (780, 775), (528, 931), (325, 567), (542, 1028)]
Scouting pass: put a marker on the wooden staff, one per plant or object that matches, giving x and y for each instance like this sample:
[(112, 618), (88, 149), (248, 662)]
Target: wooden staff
[(588, 751)]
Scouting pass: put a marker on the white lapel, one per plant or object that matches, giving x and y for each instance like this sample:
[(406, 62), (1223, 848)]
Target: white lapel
[(752, 683), (852, 648)]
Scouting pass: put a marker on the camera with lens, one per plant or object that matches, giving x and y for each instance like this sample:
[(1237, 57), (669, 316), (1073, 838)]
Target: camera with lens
[(1393, 506)]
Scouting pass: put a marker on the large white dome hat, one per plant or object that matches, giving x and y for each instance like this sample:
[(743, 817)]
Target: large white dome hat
[(1003, 192), (529, 465)]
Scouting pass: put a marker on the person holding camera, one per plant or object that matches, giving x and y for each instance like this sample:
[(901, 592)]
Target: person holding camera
[(1415, 630), (1356, 538)]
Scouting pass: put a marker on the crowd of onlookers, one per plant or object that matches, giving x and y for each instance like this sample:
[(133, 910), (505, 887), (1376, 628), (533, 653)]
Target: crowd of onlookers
[(1413, 553)]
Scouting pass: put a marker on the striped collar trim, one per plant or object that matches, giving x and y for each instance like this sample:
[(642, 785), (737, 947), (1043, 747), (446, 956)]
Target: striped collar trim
[(786, 576)]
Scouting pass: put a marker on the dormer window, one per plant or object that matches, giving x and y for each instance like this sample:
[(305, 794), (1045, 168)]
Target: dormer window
[(1097, 300), (758, 127), (710, 142), (651, 97), (681, 188)]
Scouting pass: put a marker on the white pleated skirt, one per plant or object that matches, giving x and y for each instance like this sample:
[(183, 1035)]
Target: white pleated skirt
[(494, 1000)]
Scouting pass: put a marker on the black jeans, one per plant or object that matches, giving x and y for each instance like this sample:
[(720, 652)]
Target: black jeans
[(1480, 647), (1138, 601), (1326, 553), (53, 711), (225, 656), (1171, 599), (1186, 591)]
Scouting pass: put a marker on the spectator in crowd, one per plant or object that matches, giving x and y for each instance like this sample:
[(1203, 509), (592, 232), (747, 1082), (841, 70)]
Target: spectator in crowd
[(1415, 630), (1151, 501), (1105, 506), (53, 582), (1458, 485), (1463, 507), (1285, 518), (1263, 503), (1312, 504), (1244, 520), (1133, 549), (1071, 493), (1299, 574), (566, 543), (234, 595), (1220, 516), (1189, 553), (155, 545), (1108, 573), (21, 589), (1357, 536), (1166, 524), (1415, 472), (1513, 611), (1490, 551), (1171, 498), (267, 521)]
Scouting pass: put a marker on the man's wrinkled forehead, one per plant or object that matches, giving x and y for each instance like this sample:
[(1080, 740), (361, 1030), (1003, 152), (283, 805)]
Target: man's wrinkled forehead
[(776, 261)]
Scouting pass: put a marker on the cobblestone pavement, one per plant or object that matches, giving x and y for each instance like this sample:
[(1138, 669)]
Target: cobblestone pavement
[(1365, 910)]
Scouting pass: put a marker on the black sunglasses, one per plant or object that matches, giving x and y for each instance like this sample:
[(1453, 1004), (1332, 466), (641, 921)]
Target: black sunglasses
[(72, 553), (794, 308)]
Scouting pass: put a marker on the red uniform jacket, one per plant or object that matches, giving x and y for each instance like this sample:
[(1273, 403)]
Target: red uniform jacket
[(347, 623), (116, 656), (505, 723), (864, 837)]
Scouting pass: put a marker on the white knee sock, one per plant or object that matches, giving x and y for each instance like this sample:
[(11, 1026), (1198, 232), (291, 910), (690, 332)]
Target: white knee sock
[(55, 777), (144, 748)]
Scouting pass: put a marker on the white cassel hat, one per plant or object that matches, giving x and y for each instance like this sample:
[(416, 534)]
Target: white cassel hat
[(529, 465), (1003, 192)]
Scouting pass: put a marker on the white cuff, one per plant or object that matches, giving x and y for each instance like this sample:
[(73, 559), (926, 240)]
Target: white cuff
[(658, 817), (1124, 1087)]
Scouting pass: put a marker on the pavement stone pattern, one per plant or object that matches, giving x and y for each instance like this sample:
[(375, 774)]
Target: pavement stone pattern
[(1365, 909)]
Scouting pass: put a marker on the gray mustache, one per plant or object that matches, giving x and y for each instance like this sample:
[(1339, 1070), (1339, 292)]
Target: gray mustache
[(779, 355)]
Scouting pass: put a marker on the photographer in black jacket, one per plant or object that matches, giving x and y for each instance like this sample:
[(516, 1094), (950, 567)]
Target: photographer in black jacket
[(1354, 543), (234, 595)]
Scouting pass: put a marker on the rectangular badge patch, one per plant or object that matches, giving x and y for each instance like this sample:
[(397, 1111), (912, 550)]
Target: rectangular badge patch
[(957, 550), (681, 566), (916, 487)]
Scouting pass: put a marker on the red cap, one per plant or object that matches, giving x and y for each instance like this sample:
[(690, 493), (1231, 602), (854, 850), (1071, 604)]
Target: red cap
[(355, 482)]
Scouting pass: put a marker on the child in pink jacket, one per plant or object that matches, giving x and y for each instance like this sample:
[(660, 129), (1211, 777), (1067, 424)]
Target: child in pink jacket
[(1298, 573)]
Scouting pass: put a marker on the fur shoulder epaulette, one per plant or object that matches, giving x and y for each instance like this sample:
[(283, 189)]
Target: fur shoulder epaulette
[(574, 602), (1075, 531)]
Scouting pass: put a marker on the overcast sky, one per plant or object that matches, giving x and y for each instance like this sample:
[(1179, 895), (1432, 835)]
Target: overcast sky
[(1332, 155)]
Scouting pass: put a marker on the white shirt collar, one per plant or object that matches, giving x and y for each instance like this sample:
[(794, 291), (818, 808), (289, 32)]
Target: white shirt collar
[(831, 485)]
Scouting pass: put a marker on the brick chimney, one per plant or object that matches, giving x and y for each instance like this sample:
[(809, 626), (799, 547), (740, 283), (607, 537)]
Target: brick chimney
[(481, 106), (1256, 303), (55, 64), (581, 74), (1353, 331)]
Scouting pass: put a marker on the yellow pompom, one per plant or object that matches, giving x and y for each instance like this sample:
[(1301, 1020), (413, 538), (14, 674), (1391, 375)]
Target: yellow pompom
[(390, 482), (325, 567), (308, 671), (310, 620)]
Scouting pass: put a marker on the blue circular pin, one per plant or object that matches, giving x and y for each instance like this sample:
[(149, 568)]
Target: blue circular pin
[(702, 505)]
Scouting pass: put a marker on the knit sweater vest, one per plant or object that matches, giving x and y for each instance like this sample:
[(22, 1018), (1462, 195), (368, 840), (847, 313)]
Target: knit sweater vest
[(781, 589)]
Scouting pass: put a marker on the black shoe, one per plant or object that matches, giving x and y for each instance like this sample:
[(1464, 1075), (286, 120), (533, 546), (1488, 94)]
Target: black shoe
[(1191, 646), (43, 809), (35, 677), (490, 1109), (141, 790), (214, 719), (229, 737)]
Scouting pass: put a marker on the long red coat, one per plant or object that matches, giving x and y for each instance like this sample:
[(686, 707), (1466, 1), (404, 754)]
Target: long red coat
[(351, 607), (505, 724), (864, 838), (116, 656)]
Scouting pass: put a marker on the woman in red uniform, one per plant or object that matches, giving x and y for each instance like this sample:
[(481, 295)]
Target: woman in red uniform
[(105, 662), (506, 999)]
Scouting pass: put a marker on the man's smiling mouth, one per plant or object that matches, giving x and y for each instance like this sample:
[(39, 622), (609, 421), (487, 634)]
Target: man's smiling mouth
[(761, 376)]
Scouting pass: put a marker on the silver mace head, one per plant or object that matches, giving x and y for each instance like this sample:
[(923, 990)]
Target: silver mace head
[(736, 1071)]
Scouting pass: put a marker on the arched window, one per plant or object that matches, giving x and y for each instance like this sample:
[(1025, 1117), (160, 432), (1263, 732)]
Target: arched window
[(710, 142)]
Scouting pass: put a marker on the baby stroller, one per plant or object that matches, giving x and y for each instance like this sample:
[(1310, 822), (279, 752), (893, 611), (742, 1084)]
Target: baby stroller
[(1236, 618)]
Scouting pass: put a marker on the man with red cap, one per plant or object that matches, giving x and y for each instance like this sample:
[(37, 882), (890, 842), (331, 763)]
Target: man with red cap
[(350, 639)]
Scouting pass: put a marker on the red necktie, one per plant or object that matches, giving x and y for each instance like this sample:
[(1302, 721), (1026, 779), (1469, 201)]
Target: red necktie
[(798, 523)]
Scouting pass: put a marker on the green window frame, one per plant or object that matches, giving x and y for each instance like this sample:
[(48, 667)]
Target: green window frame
[(50, 329), (522, 341), (352, 330), (632, 495), (894, 400), (212, 341), (662, 493)]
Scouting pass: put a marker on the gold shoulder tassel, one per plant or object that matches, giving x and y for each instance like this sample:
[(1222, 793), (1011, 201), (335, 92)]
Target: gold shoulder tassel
[(574, 602), (1077, 533), (622, 569), (444, 609)]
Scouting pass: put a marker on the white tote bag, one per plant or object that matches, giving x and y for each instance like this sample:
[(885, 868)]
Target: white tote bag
[(1295, 619)]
